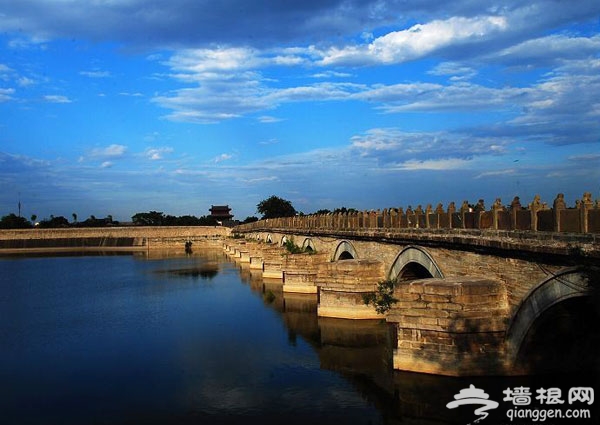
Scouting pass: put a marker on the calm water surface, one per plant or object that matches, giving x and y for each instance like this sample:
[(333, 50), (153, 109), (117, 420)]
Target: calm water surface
[(193, 339)]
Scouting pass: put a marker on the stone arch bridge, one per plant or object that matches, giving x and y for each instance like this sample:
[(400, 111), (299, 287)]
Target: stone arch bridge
[(484, 300)]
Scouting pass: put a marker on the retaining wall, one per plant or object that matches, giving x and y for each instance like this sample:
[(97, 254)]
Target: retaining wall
[(109, 238)]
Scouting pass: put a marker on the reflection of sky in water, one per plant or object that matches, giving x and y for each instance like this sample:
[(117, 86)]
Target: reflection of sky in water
[(108, 337)]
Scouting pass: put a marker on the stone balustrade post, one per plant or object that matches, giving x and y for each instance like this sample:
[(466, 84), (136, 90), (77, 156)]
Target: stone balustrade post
[(410, 217), (585, 205), (401, 219), (451, 211), (534, 207), (497, 207), (373, 219), (393, 218), (558, 206), (479, 209), (419, 222), (386, 218), (464, 209), (515, 207), (439, 212), (428, 211)]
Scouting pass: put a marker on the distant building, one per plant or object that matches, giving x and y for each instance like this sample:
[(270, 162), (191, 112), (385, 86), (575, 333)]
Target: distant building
[(220, 212)]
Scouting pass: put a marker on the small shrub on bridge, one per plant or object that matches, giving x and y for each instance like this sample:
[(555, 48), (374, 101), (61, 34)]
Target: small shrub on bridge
[(383, 298), (292, 248)]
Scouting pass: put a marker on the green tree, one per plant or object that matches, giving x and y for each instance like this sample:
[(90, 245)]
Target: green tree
[(344, 210), (59, 221), (13, 221), (275, 207), (383, 297), (152, 218)]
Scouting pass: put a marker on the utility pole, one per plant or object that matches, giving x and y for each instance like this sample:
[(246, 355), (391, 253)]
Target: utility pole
[(19, 204)]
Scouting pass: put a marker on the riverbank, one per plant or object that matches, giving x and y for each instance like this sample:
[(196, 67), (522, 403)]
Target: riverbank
[(130, 238)]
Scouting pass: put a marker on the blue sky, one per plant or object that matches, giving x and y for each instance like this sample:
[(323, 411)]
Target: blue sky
[(117, 107)]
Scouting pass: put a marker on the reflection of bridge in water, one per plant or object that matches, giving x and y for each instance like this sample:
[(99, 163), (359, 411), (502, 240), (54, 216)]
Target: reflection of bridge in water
[(362, 352), (501, 296)]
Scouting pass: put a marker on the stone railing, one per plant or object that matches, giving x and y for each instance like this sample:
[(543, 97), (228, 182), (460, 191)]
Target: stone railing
[(584, 217)]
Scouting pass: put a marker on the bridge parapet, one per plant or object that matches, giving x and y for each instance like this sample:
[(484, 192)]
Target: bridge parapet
[(536, 216)]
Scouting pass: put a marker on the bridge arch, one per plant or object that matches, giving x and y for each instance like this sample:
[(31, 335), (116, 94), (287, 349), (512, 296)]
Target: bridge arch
[(308, 245), (344, 251), (269, 238), (414, 262), (569, 292), (283, 240)]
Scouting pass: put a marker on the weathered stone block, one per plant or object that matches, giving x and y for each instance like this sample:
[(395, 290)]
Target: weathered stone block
[(448, 306), (434, 298)]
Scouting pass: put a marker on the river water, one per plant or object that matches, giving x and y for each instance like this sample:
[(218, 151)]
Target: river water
[(199, 339)]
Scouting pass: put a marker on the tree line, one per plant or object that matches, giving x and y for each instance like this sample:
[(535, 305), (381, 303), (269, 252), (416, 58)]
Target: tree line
[(12, 221), (150, 218), (271, 207)]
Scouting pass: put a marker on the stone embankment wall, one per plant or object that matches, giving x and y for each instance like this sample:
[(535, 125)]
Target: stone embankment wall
[(111, 238)]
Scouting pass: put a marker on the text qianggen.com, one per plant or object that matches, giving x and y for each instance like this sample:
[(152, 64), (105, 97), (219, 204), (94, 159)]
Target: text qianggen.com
[(541, 415)]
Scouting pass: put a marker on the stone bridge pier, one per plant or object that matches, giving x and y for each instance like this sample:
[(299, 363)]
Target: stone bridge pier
[(452, 326)]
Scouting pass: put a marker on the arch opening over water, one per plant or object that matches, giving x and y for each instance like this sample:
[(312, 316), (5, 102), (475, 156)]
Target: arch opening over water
[(413, 271), (413, 263), (308, 245), (564, 338), (283, 241), (344, 251), (555, 326)]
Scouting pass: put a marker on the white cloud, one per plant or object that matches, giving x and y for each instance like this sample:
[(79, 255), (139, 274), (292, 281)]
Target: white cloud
[(591, 157), (331, 74), (391, 145), (54, 98), (5, 72), (6, 94), (267, 119), (417, 41), (434, 164), (455, 96), (204, 62), (155, 154), (260, 179), (111, 151), (507, 172), (223, 157), (269, 142), (95, 74), (455, 70), (25, 82), (550, 50)]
